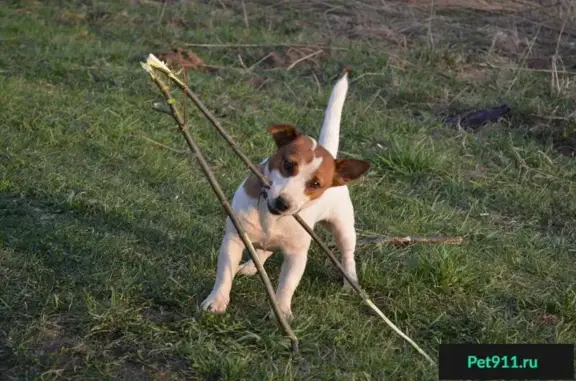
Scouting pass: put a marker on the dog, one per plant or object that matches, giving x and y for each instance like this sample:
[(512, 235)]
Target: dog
[(306, 178)]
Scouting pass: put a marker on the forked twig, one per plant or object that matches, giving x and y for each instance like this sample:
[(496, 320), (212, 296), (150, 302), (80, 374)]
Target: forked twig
[(155, 63), (225, 204)]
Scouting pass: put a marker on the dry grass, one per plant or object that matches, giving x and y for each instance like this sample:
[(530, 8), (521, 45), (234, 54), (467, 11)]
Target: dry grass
[(511, 24), (481, 5)]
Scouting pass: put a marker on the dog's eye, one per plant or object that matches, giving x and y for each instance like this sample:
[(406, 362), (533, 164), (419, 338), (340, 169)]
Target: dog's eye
[(314, 184), (288, 166)]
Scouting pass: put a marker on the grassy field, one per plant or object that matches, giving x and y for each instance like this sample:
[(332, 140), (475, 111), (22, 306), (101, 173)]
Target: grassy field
[(108, 240)]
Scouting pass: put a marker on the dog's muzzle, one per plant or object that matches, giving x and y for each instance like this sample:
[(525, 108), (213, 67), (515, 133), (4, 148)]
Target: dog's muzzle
[(278, 206), (264, 191)]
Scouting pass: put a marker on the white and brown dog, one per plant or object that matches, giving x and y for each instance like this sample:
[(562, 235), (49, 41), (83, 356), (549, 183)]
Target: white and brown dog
[(305, 179)]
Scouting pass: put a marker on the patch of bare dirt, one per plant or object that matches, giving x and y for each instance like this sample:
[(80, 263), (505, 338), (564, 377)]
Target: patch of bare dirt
[(258, 83), (473, 74), (53, 336), (181, 59), (68, 17), (56, 342), (539, 63), (566, 145), (129, 371), (8, 360), (155, 369), (561, 131), (159, 315)]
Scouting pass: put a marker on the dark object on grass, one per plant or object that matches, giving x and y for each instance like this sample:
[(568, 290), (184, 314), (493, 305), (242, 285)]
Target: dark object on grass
[(476, 118)]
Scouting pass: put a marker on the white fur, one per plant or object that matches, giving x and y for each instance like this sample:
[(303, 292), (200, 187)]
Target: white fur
[(269, 232), (314, 143), (330, 134)]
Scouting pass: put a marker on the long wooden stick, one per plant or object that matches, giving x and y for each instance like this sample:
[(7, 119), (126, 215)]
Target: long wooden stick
[(155, 63), (407, 240), (225, 204)]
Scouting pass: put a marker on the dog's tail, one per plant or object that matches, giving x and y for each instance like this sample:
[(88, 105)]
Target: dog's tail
[(330, 134)]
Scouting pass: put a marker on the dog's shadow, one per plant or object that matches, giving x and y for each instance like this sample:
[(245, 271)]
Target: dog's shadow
[(85, 247)]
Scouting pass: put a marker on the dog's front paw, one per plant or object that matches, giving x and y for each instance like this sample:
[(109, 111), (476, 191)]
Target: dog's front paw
[(347, 287), (215, 302), (248, 268), (286, 313)]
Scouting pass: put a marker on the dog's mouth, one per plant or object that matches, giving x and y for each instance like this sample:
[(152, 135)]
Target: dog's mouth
[(264, 195), (273, 210), (276, 212)]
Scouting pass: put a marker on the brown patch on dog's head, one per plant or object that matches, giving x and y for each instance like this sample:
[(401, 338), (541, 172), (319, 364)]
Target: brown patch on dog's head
[(283, 133), (323, 178), (253, 185), (300, 159), (294, 152), (348, 170)]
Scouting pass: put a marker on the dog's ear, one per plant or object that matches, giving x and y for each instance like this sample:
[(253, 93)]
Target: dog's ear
[(348, 170), (283, 133)]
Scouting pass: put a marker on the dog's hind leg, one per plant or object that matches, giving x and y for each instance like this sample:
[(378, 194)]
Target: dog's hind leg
[(341, 225), (248, 268)]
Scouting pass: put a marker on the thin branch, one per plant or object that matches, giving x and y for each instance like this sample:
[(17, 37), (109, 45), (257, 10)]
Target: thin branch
[(372, 101), (181, 152), (223, 5), (560, 36), (245, 14), (225, 204), (367, 75), (217, 67), (571, 32), (317, 83), (491, 66), (523, 59), (287, 45), (554, 117), (555, 82), (159, 65), (303, 59), (260, 61), (429, 35), (162, 11)]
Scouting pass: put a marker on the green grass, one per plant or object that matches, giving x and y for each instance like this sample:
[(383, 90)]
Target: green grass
[(108, 242)]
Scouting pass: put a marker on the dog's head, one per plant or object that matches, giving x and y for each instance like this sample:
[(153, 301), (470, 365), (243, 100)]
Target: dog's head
[(301, 170)]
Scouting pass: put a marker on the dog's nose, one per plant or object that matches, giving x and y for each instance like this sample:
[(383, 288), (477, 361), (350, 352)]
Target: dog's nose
[(281, 204)]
